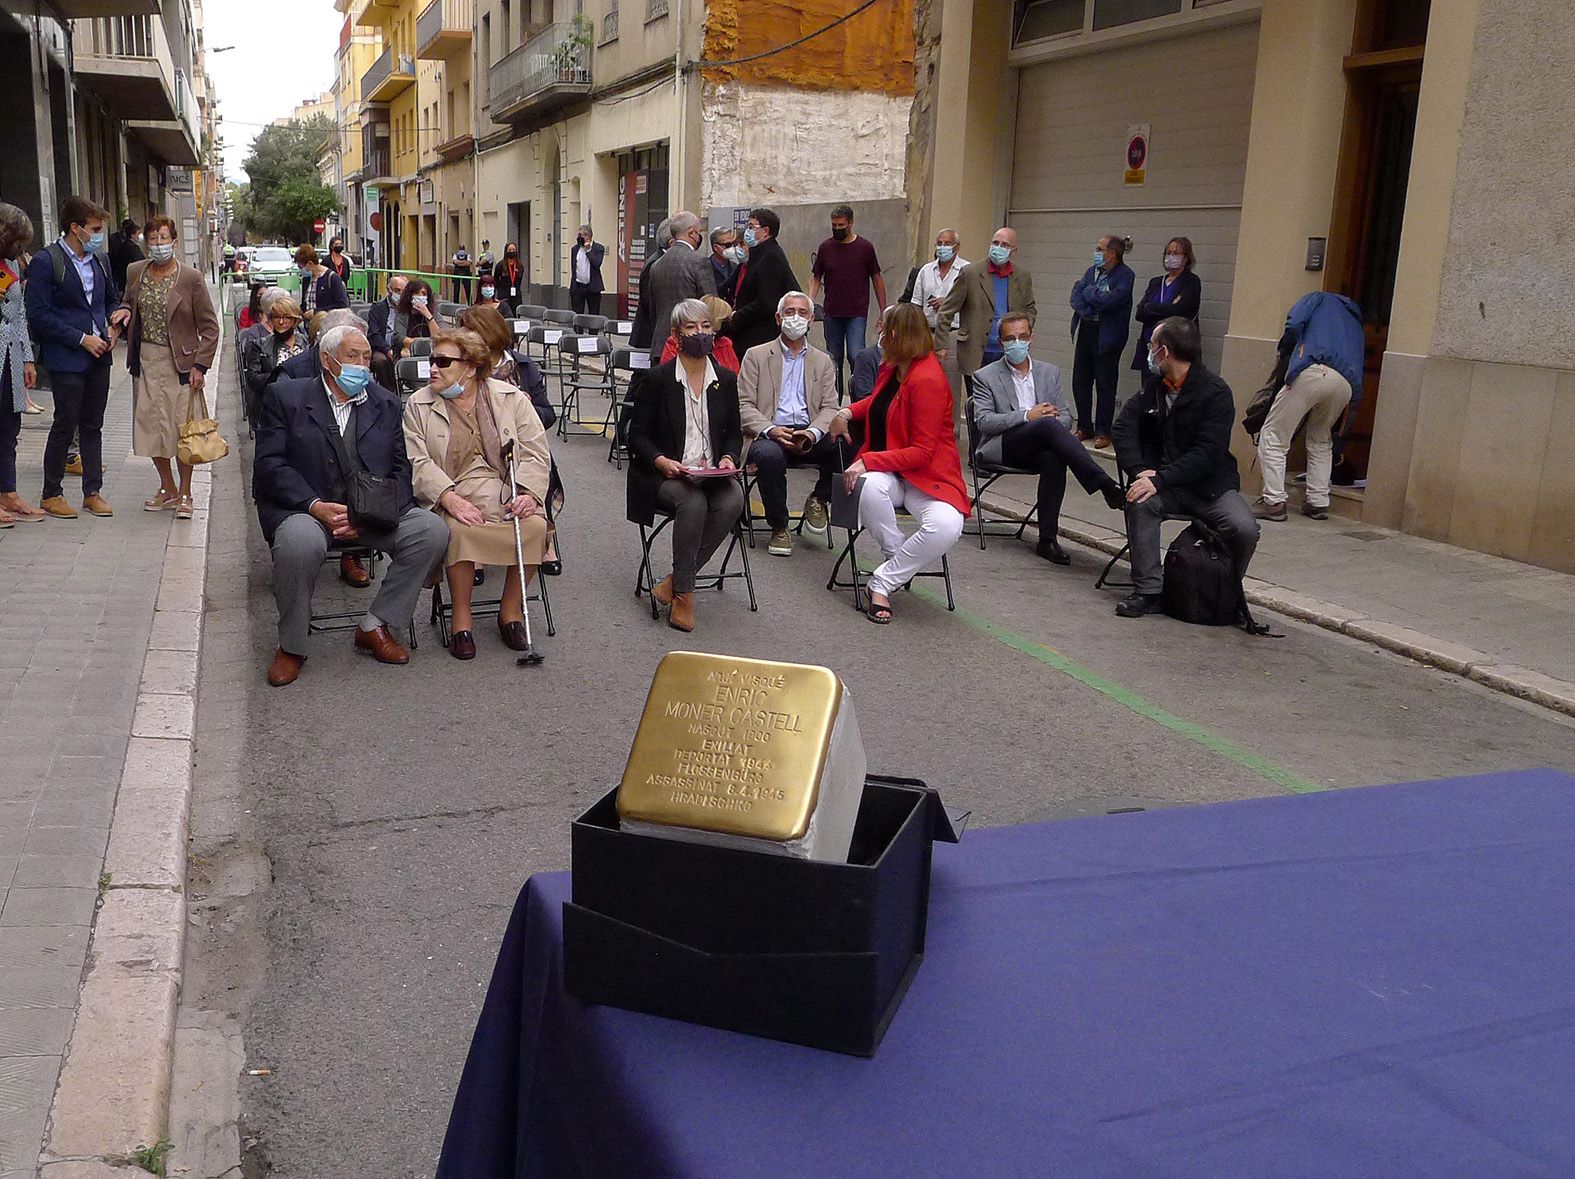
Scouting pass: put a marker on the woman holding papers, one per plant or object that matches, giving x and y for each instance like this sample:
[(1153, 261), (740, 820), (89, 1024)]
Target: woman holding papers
[(685, 421)]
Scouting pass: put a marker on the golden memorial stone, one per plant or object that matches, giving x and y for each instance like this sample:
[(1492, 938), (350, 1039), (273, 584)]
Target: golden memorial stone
[(746, 753)]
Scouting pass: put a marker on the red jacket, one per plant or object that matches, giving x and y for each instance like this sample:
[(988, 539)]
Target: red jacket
[(721, 352), (920, 445)]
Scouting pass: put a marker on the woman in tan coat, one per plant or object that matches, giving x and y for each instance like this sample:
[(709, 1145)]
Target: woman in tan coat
[(456, 430), (174, 336)]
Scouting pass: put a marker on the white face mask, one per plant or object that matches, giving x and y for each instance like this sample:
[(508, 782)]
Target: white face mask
[(162, 253), (1174, 262), (795, 326)]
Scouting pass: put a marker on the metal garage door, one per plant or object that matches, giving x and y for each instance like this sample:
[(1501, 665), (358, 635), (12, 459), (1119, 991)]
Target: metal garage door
[(1195, 92)]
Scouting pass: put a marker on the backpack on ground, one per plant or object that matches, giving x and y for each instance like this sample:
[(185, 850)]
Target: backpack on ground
[(1201, 582)]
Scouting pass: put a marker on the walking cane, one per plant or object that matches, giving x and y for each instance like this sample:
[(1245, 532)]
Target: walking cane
[(532, 657)]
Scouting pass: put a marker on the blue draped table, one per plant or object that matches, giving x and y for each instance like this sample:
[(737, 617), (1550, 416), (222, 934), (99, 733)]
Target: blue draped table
[(1369, 982)]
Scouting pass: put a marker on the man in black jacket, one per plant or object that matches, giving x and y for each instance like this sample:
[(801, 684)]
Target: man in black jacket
[(764, 278), (1173, 441)]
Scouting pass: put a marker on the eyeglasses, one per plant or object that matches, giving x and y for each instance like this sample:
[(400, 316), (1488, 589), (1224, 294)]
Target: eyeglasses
[(445, 361)]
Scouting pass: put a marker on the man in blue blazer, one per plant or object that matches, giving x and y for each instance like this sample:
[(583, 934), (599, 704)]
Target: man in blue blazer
[(585, 273), (73, 306), (300, 485)]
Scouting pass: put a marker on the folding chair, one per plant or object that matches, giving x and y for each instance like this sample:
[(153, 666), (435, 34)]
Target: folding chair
[(576, 381), (420, 345), (410, 373), (342, 620), (541, 340), (531, 310), (590, 325), (622, 360), (1104, 577), (754, 525), (991, 472), (442, 615), (858, 576), (521, 325), (450, 311), (559, 316), (646, 578), (620, 331)]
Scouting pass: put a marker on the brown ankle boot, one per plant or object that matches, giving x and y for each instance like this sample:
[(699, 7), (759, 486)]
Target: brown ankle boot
[(683, 612), (662, 591)]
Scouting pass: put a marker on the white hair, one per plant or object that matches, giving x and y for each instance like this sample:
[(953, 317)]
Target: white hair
[(342, 317), (782, 302), (682, 223), (688, 311), (333, 339), (269, 297)]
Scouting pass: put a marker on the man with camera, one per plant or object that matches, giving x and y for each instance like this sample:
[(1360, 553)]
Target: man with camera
[(330, 471)]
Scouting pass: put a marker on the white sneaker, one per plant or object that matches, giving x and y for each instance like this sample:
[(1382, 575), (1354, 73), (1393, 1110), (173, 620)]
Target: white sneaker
[(781, 544)]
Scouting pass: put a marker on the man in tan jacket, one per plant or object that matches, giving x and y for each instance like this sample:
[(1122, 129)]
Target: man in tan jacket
[(985, 292), (787, 394)]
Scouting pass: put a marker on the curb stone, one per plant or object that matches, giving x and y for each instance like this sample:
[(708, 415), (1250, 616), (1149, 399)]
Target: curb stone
[(1521, 682), (113, 1093)]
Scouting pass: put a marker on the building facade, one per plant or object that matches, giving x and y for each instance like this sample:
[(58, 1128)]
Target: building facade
[(1384, 149)]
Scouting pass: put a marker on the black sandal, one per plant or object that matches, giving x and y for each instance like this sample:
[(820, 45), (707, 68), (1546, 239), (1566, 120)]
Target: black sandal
[(554, 567), (878, 613)]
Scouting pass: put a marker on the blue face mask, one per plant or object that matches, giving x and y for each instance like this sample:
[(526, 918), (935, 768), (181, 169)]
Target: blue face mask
[(945, 253), (1099, 257), (1016, 350), (449, 392), (750, 239), (95, 243), (999, 255), (353, 380), (1153, 365)]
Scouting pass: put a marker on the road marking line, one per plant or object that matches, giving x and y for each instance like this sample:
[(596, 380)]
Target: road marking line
[(1191, 730)]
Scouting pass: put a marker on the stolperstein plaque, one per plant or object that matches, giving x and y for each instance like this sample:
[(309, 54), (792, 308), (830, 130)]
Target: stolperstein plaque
[(746, 753)]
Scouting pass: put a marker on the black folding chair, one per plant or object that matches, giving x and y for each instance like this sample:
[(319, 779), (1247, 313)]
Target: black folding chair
[(646, 578), (1104, 577), (540, 341), (420, 345), (991, 471), (442, 615), (755, 525), (411, 372), (858, 576), (622, 360), (450, 311), (342, 620), (576, 381), (589, 325), (559, 316), (531, 310)]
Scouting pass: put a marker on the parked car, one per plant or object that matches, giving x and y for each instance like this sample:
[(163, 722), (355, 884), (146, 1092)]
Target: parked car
[(273, 262)]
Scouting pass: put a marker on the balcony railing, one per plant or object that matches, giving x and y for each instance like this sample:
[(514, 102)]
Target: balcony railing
[(552, 68), (127, 61), (443, 29), (654, 9), (609, 26), (389, 75)]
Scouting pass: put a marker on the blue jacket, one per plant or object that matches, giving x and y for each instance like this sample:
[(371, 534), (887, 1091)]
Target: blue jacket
[(1324, 328), (296, 461), (1110, 298), (60, 316)]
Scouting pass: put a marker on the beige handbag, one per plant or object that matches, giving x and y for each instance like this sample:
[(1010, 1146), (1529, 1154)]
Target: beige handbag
[(200, 441)]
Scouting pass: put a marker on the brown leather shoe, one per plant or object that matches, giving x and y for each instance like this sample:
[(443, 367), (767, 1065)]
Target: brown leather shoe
[(57, 507), (98, 505), (380, 645), (353, 572), (662, 591), (462, 644), (683, 613), (284, 668), (74, 465), (513, 635), (1102, 442)]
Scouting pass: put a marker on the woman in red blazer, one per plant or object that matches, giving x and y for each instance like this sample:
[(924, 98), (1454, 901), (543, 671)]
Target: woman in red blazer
[(909, 458)]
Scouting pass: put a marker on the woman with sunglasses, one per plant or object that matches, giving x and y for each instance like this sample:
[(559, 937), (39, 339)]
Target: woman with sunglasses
[(457, 430)]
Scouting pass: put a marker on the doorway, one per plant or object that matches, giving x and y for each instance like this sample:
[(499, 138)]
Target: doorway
[(1384, 80)]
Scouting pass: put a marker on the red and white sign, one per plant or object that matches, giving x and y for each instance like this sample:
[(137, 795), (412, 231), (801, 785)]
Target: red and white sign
[(319, 225), (1137, 153)]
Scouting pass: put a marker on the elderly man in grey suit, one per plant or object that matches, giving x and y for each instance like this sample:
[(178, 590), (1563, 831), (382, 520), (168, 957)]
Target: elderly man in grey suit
[(787, 396), (683, 272), (1021, 414)]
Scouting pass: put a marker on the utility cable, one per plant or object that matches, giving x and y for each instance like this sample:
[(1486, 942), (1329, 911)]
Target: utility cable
[(702, 64)]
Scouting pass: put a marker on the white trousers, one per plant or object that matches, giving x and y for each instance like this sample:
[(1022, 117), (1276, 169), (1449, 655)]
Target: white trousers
[(1320, 395), (940, 525)]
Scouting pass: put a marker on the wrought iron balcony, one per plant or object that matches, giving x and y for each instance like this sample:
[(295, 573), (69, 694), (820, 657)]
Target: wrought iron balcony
[(550, 70)]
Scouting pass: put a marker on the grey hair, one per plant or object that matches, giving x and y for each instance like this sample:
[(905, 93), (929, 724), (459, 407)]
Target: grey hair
[(333, 339), (664, 231), (682, 223), (269, 297), (342, 317), (782, 302), (15, 224), (688, 311), (720, 231)]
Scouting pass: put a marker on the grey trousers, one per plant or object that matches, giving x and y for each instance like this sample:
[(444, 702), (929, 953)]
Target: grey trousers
[(703, 515), (300, 546), (1227, 514)]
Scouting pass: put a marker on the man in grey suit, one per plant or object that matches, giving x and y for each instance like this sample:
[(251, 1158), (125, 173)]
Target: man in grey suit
[(1020, 413), (787, 396), (683, 272)]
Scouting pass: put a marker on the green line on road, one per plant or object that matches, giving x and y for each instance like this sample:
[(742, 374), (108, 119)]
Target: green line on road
[(1127, 698)]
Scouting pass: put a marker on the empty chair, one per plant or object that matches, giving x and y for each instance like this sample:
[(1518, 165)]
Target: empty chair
[(558, 315), (576, 381), (411, 373), (623, 366), (590, 325), (531, 310), (421, 346)]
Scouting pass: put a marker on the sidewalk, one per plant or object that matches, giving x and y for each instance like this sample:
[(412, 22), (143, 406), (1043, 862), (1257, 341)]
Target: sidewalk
[(82, 748), (1504, 624)]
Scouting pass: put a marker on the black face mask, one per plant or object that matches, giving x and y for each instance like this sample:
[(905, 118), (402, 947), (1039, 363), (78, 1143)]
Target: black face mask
[(511, 254), (840, 235), (336, 249), (697, 345)]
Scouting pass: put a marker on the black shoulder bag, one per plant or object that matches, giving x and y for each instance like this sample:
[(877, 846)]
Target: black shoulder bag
[(372, 500)]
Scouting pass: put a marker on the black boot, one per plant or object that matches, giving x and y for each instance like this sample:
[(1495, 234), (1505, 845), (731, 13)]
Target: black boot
[(1135, 605)]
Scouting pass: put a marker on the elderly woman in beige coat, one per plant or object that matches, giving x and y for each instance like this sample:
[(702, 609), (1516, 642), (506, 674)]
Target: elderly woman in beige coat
[(456, 431)]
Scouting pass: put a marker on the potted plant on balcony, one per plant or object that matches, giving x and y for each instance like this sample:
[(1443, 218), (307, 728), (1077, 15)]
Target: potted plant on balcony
[(569, 54)]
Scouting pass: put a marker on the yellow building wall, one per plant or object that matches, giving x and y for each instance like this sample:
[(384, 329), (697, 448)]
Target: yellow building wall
[(871, 52)]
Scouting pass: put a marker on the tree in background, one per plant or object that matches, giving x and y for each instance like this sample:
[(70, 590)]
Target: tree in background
[(285, 193)]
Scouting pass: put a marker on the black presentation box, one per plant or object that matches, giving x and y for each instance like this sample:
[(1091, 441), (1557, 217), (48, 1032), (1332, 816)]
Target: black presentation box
[(808, 952)]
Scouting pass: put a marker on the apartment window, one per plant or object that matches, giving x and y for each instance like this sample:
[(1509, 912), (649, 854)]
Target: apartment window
[(1036, 20), (503, 24)]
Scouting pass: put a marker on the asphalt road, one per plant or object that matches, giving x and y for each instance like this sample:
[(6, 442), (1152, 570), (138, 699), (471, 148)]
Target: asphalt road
[(401, 809)]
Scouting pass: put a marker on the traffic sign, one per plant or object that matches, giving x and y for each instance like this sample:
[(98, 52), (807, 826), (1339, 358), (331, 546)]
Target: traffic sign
[(319, 225), (1137, 153)]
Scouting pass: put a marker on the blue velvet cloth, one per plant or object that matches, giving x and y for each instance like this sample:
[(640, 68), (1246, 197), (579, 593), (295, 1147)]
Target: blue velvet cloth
[(1368, 982)]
